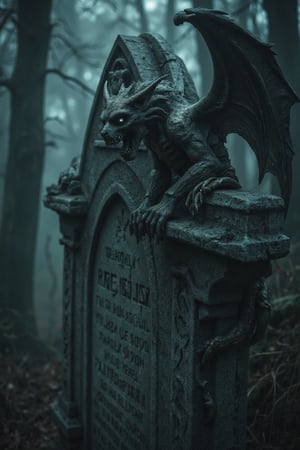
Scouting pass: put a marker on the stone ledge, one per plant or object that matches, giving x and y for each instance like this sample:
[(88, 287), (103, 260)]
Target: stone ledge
[(244, 201), (240, 225), (73, 205)]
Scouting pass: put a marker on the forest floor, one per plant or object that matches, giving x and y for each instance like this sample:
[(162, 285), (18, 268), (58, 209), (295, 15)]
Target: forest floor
[(28, 385), (274, 376), (274, 387)]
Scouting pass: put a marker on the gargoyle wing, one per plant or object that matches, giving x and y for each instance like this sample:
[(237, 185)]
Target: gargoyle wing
[(249, 95)]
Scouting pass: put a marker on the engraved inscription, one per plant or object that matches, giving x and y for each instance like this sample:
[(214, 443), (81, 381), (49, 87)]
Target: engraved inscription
[(121, 347)]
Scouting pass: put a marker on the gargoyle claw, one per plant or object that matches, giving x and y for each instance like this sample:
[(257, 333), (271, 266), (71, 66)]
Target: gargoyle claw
[(196, 197), (198, 200), (151, 220)]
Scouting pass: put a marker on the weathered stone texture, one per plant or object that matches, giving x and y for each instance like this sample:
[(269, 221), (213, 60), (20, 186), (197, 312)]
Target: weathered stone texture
[(136, 314)]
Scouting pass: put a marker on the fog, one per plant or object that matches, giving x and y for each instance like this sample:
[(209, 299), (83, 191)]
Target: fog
[(82, 35)]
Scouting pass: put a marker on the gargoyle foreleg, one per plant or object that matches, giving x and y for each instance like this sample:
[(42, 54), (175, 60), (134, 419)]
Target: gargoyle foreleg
[(160, 180), (151, 217), (155, 217)]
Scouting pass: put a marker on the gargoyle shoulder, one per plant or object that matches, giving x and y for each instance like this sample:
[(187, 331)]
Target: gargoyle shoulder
[(182, 127), (179, 123)]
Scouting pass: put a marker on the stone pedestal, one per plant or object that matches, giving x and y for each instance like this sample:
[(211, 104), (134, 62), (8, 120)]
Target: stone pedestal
[(136, 317)]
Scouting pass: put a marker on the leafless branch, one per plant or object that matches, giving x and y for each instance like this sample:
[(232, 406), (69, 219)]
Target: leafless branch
[(241, 9), (54, 119), (170, 29), (10, 33), (52, 144), (70, 79), (183, 35), (52, 136), (143, 16), (63, 24), (120, 18), (129, 23), (53, 57), (6, 82), (6, 15), (113, 4), (79, 50), (91, 8)]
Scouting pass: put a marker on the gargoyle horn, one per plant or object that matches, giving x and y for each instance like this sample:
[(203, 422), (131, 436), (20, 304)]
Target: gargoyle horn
[(106, 92), (146, 92)]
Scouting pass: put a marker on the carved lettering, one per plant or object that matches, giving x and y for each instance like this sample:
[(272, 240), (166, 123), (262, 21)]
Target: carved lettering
[(135, 291), (122, 340), (120, 257), (107, 280)]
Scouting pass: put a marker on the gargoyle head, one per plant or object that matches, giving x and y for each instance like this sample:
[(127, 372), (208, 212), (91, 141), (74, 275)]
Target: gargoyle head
[(128, 115)]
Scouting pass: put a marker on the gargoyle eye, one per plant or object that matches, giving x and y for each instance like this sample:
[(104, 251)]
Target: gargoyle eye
[(119, 120)]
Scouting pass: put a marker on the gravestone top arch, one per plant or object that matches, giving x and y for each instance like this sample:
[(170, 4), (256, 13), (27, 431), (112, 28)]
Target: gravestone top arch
[(142, 58)]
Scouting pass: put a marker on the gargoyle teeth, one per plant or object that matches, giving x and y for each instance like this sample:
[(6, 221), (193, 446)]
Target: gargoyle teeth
[(113, 140)]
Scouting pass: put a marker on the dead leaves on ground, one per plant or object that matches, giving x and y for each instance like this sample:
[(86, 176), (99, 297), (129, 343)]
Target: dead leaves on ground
[(27, 387)]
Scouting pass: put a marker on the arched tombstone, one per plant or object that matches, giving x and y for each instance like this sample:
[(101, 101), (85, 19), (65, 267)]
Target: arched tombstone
[(137, 314)]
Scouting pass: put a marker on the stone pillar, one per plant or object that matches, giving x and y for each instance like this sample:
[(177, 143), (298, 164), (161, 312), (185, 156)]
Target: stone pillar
[(219, 304), (72, 210)]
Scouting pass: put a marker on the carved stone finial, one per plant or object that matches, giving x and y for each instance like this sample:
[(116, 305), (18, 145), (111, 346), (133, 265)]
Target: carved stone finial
[(69, 180)]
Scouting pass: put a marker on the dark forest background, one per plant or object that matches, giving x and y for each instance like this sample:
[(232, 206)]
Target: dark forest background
[(52, 53)]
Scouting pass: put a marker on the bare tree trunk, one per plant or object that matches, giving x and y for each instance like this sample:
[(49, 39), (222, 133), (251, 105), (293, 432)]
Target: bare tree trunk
[(238, 146), (143, 16), (283, 32), (24, 170), (170, 29), (203, 53)]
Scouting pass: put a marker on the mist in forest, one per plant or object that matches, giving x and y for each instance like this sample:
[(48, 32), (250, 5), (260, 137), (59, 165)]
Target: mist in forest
[(75, 38)]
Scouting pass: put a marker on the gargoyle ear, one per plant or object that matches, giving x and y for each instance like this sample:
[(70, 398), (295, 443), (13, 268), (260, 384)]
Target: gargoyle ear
[(145, 94)]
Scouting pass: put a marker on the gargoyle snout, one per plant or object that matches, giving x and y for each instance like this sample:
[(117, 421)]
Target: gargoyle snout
[(110, 136), (104, 133)]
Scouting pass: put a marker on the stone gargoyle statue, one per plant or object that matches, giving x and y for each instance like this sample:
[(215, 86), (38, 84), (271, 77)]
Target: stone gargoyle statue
[(249, 96)]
